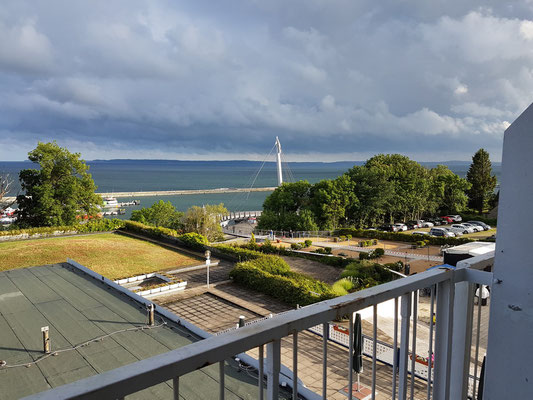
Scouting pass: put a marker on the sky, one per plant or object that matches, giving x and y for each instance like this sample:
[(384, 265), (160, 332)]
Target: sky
[(203, 80)]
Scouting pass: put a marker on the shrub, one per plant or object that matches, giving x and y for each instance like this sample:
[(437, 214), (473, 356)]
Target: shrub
[(365, 274), (376, 253), (296, 246), (342, 287), (269, 276), (327, 250), (308, 243), (342, 238), (348, 237), (238, 253), (193, 240)]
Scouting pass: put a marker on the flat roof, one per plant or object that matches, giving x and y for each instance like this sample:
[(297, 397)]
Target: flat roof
[(472, 248), (78, 308)]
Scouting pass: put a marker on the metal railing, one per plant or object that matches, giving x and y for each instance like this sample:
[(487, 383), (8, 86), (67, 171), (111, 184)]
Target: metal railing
[(452, 301)]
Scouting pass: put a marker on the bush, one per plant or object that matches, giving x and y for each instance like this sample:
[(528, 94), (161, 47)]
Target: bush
[(376, 253), (308, 243), (268, 275), (238, 253), (296, 246), (327, 250), (342, 286), (365, 274), (193, 240)]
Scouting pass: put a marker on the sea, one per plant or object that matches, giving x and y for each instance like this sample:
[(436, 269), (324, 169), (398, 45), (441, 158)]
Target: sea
[(162, 175)]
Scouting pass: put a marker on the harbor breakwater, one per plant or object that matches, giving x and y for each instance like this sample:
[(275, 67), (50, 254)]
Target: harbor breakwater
[(175, 192)]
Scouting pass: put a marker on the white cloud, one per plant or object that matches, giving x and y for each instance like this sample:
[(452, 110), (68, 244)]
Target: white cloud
[(175, 76)]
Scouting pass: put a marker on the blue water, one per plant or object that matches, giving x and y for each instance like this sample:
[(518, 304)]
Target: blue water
[(148, 175)]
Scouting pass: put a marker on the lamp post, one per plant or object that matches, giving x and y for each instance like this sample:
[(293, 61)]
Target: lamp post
[(207, 263)]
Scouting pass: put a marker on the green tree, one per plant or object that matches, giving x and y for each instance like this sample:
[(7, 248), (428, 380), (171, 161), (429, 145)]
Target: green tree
[(483, 182), (330, 199), (205, 220), (448, 191), (160, 214), (284, 208), (59, 191)]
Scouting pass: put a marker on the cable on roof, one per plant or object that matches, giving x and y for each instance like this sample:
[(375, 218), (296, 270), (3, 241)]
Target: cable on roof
[(5, 365)]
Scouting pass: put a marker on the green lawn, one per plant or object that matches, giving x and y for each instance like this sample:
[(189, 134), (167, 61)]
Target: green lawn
[(111, 255)]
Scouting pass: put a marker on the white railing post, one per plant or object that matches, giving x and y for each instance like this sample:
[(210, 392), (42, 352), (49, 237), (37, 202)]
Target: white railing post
[(462, 339), (404, 345), (443, 340), (273, 363)]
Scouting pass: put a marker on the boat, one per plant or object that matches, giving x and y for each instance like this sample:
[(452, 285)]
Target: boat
[(110, 202)]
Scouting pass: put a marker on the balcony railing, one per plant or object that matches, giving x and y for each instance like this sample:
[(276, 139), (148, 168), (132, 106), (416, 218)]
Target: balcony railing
[(454, 373)]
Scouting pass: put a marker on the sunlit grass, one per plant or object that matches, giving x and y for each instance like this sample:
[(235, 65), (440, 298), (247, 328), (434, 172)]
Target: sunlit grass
[(111, 255)]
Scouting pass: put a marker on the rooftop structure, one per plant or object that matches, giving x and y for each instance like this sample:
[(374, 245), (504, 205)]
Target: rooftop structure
[(93, 328)]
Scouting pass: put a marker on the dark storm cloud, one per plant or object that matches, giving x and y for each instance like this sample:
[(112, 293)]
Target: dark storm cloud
[(203, 79)]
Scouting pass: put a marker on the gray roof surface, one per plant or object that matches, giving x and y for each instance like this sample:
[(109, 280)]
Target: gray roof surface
[(78, 308)]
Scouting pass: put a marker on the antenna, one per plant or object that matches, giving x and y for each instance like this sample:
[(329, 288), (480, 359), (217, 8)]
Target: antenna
[(278, 160)]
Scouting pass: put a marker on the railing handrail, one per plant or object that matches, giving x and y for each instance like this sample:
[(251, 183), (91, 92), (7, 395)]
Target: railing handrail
[(132, 378)]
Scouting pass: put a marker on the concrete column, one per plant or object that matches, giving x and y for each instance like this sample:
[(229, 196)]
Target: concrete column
[(509, 369)]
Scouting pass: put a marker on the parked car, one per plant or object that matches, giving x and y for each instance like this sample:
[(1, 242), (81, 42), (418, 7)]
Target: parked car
[(476, 228), (482, 224), (455, 218), (443, 232), (427, 224), (422, 233), (388, 228), (458, 228), (412, 225), (447, 220), (400, 227)]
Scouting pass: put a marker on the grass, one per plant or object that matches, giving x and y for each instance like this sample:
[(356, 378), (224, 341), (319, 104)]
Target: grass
[(111, 255)]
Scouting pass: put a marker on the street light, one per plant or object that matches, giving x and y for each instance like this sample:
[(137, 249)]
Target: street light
[(207, 263)]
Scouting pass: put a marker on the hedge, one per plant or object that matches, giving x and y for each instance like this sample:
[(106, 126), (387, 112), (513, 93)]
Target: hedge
[(239, 253), (268, 275), (98, 225), (401, 237), (192, 240)]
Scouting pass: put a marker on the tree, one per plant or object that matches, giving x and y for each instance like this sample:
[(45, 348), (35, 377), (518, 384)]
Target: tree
[(160, 214), (284, 208), (205, 220), (448, 191), (5, 186), (59, 191), (483, 182), (330, 199)]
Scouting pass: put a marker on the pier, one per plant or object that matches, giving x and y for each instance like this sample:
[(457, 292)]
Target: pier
[(172, 192), (186, 192)]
